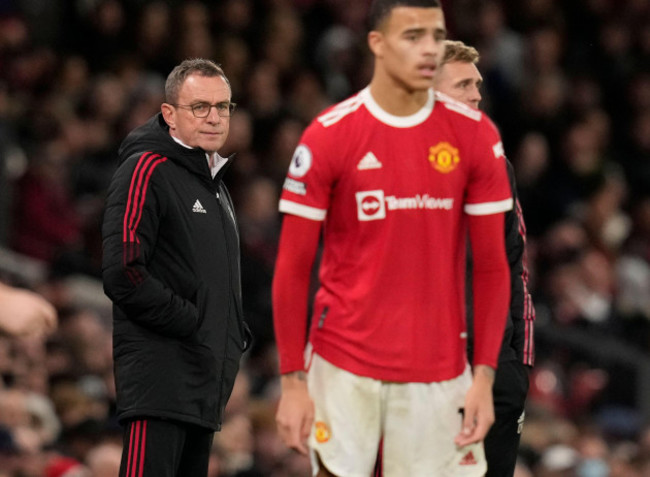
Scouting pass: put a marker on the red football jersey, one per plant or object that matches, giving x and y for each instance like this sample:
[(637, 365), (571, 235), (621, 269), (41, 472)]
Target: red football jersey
[(393, 193)]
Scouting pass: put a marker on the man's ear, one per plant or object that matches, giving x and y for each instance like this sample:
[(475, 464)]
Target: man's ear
[(169, 115), (376, 43)]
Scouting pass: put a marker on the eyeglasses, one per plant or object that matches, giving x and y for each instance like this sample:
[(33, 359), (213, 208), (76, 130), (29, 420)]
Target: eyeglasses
[(202, 110)]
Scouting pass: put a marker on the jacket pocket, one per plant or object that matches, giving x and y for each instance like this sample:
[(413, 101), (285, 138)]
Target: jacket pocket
[(201, 296)]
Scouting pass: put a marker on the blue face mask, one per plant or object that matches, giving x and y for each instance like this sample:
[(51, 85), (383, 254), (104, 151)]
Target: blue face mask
[(593, 468)]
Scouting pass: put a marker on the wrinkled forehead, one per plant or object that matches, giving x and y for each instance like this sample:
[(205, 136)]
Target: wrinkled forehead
[(198, 87)]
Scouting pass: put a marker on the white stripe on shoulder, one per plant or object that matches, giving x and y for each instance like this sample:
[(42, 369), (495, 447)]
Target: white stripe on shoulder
[(305, 211), (341, 110), (461, 108), (488, 208)]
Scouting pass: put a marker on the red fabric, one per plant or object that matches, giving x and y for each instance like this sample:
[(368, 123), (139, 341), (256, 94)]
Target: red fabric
[(61, 467), (394, 195), (133, 214), (298, 245), (491, 285), (137, 446), (44, 220)]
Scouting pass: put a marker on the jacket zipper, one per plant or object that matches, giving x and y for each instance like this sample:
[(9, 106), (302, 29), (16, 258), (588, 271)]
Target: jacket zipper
[(225, 348)]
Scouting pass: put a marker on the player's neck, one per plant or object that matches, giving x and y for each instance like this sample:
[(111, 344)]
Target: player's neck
[(395, 98)]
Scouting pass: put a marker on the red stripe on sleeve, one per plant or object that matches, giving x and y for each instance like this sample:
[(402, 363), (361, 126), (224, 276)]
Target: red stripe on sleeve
[(132, 273), (529, 308), (134, 206), (133, 469), (138, 197), (142, 447), (128, 461), (142, 162), (145, 185)]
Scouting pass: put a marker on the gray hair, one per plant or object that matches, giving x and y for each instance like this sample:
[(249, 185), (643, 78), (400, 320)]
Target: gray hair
[(179, 74)]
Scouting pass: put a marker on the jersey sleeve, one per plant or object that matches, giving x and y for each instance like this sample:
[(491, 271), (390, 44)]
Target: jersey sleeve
[(306, 189), (488, 196), (488, 190), (296, 253)]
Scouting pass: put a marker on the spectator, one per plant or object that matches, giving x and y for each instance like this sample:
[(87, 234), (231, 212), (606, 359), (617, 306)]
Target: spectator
[(23, 312)]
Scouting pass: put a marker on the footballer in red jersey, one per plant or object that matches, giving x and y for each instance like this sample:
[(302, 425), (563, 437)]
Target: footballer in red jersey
[(393, 194), (393, 178)]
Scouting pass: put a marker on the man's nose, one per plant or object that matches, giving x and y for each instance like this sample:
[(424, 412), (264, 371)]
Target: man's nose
[(476, 95), (433, 47), (213, 114)]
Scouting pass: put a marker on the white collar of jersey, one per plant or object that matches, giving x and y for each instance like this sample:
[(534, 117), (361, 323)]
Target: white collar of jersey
[(218, 160), (397, 121)]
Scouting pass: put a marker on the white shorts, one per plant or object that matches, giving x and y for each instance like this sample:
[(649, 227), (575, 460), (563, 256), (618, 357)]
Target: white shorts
[(415, 422)]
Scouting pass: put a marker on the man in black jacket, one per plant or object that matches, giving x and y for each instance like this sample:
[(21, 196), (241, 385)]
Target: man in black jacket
[(459, 78), (171, 268)]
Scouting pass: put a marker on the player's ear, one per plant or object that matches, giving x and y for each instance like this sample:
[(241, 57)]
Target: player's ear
[(376, 43), (169, 114)]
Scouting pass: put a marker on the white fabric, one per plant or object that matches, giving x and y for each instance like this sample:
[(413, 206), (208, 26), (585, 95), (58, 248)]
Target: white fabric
[(417, 422)]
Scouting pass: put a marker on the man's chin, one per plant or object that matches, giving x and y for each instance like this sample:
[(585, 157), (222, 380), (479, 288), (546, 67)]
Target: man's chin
[(211, 146), (421, 84)]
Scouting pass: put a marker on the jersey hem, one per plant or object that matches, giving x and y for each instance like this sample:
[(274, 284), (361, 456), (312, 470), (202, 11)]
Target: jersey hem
[(408, 375)]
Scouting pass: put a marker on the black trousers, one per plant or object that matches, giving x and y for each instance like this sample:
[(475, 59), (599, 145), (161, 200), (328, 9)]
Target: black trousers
[(502, 441), (163, 448)]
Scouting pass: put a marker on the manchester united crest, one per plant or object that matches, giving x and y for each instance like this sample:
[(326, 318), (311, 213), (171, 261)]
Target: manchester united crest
[(322, 432), (444, 157)]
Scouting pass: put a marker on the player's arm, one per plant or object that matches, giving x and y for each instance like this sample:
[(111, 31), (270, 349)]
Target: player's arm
[(488, 197), (491, 286), (297, 250)]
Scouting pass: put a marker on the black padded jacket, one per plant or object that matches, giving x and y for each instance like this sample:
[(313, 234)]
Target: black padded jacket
[(171, 268)]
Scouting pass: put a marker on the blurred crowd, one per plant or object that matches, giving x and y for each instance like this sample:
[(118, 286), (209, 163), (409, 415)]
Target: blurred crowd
[(568, 84)]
